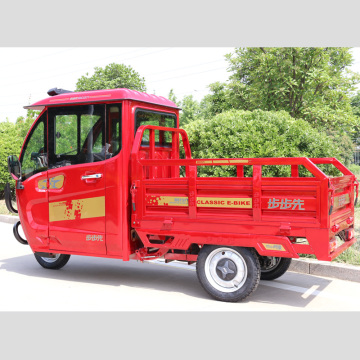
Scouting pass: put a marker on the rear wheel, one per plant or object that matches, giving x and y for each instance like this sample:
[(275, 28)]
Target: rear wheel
[(273, 267), (228, 273), (54, 263)]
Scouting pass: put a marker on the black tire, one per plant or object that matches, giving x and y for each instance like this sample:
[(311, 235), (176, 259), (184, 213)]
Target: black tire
[(272, 267), (52, 263), (228, 273), (17, 235)]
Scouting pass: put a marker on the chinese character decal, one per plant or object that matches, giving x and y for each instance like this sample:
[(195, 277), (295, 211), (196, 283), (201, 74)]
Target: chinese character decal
[(291, 204)]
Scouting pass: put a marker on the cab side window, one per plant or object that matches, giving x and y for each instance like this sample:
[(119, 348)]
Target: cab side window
[(77, 135), (146, 117)]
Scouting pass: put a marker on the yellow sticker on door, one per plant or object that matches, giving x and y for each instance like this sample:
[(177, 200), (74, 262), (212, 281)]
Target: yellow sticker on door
[(55, 182), (77, 209)]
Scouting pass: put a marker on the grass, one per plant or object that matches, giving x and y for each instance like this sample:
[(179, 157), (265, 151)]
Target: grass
[(3, 209), (352, 254)]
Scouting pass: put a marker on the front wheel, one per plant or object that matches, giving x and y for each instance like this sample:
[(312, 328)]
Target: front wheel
[(228, 273), (54, 263), (273, 267)]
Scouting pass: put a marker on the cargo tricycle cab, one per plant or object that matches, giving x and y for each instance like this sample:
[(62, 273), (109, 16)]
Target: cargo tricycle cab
[(75, 171)]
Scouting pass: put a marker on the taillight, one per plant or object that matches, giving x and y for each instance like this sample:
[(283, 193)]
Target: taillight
[(332, 245), (349, 234)]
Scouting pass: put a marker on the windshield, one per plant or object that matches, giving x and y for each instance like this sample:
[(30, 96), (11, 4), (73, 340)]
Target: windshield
[(34, 157), (76, 136)]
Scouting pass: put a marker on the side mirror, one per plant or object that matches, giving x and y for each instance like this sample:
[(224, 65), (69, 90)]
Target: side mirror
[(14, 167)]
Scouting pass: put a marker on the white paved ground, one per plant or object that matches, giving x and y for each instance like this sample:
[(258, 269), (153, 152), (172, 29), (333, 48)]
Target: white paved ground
[(98, 284)]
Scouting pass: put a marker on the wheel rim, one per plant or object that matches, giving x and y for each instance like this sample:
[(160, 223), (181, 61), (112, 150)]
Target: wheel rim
[(269, 263), (50, 260), (226, 270)]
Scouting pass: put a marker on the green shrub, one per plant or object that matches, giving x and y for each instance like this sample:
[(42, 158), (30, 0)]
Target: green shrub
[(10, 144), (258, 134)]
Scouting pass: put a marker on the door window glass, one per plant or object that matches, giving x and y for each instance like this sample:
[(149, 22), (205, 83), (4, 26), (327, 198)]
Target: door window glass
[(64, 125), (114, 129), (78, 135)]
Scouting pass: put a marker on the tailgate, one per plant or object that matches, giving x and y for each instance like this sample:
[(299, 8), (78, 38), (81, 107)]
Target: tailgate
[(343, 196), (342, 202)]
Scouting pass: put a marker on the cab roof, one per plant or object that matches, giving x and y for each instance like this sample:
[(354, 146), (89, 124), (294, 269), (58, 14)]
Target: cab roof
[(100, 96)]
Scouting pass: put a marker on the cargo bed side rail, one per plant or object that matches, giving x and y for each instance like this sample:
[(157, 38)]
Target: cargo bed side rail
[(188, 161), (140, 174)]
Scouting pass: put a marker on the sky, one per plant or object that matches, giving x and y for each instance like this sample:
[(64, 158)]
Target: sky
[(27, 73)]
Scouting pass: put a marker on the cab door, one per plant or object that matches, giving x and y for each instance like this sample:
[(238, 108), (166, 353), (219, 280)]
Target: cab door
[(76, 179), (32, 198)]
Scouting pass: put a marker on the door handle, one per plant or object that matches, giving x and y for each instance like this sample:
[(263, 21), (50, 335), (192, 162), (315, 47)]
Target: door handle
[(92, 176)]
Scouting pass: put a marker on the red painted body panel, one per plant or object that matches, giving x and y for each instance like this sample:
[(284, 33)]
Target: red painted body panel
[(34, 212), (115, 216), (74, 238), (148, 204)]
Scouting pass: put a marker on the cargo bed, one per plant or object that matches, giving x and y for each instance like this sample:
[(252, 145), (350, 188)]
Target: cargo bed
[(283, 216)]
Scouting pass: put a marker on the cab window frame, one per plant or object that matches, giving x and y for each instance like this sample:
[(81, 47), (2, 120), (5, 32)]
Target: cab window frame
[(42, 118)]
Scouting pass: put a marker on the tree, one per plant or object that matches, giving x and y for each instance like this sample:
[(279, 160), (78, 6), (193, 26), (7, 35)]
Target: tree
[(190, 110), (314, 84), (220, 99), (12, 137), (113, 76), (23, 125), (355, 104), (10, 144), (172, 97)]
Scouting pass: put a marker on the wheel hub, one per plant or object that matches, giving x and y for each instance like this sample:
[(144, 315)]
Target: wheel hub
[(50, 259), (269, 263), (226, 269)]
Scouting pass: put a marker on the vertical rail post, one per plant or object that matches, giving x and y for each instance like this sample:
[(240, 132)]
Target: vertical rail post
[(152, 153), (240, 170), (294, 171), (257, 192), (174, 170), (192, 175)]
